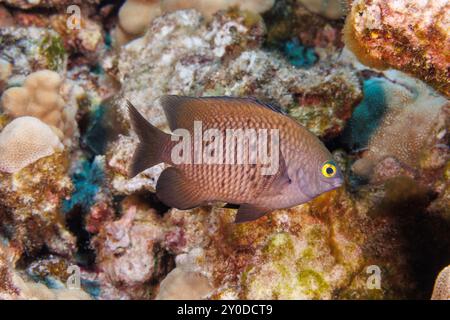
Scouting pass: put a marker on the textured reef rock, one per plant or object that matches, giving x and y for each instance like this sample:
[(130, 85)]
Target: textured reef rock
[(80, 36), (31, 49), (136, 15), (223, 57), (292, 19), (129, 253), (315, 251), (408, 35), (118, 161), (16, 284), (30, 206), (332, 9)]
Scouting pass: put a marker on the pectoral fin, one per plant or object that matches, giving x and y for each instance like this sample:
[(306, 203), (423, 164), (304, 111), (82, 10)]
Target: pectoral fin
[(279, 182), (248, 212)]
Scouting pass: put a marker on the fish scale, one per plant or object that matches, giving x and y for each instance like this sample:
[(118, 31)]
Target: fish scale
[(234, 178)]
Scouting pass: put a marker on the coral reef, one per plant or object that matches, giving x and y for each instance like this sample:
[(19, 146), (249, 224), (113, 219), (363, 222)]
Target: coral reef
[(31, 200), (290, 20), (136, 15), (18, 286), (223, 58), (31, 49), (414, 123), (408, 35), (66, 201), (128, 250), (40, 97)]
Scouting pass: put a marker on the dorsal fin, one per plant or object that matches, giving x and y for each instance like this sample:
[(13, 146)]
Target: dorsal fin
[(272, 106), (182, 110)]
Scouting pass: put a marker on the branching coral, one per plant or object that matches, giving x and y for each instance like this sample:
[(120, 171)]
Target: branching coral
[(409, 35), (25, 140), (40, 97)]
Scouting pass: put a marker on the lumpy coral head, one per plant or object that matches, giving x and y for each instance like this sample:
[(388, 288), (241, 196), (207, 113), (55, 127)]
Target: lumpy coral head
[(40, 97), (25, 140)]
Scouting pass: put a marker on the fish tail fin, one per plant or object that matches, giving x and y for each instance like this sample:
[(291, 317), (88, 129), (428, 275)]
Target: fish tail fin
[(152, 143)]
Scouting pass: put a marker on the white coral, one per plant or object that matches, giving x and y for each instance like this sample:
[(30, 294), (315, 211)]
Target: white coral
[(180, 284), (25, 140)]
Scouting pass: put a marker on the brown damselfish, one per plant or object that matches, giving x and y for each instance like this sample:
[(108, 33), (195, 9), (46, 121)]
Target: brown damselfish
[(235, 150)]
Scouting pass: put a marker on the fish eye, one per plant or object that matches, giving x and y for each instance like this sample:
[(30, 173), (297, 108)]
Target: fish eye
[(328, 169)]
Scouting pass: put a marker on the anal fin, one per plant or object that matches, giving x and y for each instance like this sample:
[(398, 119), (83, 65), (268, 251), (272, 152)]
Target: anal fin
[(248, 212), (176, 191)]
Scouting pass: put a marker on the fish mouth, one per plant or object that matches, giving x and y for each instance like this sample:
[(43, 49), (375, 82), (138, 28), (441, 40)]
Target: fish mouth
[(336, 185)]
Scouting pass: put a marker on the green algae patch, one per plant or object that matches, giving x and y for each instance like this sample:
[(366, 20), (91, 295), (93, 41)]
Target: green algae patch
[(312, 283), (52, 48), (279, 246)]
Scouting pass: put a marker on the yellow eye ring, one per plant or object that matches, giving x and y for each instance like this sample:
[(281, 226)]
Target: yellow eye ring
[(329, 170)]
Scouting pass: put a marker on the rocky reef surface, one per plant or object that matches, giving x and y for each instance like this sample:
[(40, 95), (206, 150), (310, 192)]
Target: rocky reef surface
[(74, 226)]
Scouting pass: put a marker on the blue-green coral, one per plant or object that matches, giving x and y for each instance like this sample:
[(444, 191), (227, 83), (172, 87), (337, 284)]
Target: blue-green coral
[(367, 115), (299, 55), (87, 180)]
